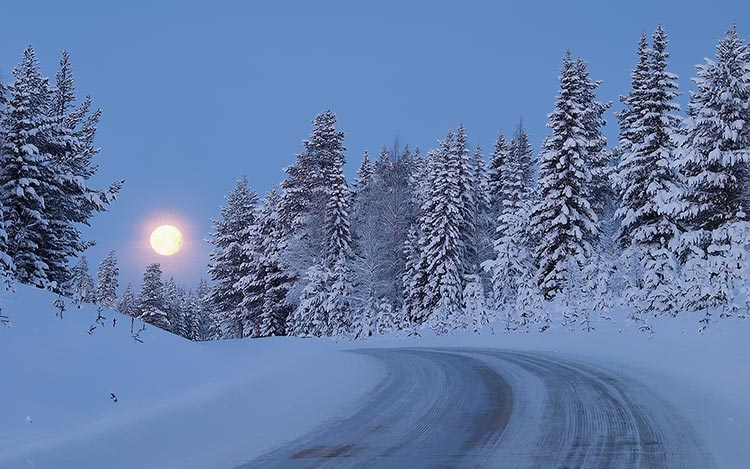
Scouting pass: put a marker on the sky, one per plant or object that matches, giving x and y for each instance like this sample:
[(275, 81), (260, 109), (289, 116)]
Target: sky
[(197, 94)]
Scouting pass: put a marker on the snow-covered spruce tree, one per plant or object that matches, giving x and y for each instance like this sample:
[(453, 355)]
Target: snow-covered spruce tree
[(26, 172), (202, 295), (310, 317), (338, 257), (646, 179), (128, 303), (306, 191), (598, 157), (563, 221), (80, 284), (70, 144), (520, 151), (172, 306), (496, 176), (511, 268), (465, 177), (151, 303), (483, 225), (107, 281), (440, 268), (713, 163), (44, 173), (228, 262), (266, 285)]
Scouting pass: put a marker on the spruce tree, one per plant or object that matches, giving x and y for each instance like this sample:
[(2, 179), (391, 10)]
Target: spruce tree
[(151, 301), (26, 174), (442, 242), (107, 281), (562, 218), (645, 174), (228, 263), (713, 163), (128, 303), (80, 285), (266, 285)]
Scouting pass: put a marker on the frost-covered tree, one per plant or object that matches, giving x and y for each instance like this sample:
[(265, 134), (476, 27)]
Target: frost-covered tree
[(47, 145), (26, 174), (306, 191), (563, 220), (80, 284), (645, 177), (266, 284), (107, 281), (151, 302), (439, 271), (128, 302), (511, 267), (496, 176), (228, 263), (310, 318), (483, 223), (713, 162), (520, 150)]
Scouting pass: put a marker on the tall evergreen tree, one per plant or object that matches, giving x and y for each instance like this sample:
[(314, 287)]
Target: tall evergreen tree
[(713, 162), (267, 283), (562, 219), (228, 263), (646, 177), (306, 191), (107, 281), (440, 269), (151, 302)]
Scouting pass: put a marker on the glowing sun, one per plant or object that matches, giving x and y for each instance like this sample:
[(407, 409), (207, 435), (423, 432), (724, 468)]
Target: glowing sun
[(166, 240)]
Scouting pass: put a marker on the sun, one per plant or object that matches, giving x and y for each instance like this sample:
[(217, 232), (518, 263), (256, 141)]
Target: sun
[(166, 240)]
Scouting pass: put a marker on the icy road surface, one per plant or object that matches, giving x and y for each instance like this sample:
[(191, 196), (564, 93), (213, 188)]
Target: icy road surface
[(498, 409)]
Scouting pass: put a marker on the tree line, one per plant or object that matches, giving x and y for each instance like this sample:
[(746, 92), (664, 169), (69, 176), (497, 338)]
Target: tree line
[(654, 225)]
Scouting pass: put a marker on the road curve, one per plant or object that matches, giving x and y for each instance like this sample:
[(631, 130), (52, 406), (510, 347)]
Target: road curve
[(498, 409)]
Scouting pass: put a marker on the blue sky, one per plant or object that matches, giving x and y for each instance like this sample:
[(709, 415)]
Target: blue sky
[(196, 94)]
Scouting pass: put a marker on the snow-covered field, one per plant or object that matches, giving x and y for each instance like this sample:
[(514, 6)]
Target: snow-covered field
[(219, 404), (179, 404)]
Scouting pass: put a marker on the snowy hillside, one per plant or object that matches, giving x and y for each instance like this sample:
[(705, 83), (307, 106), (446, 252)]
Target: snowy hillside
[(179, 403)]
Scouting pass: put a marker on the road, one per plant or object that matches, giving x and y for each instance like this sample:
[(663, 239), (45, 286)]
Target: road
[(498, 409)]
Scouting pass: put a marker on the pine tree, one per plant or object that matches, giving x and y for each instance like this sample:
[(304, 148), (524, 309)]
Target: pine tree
[(151, 302), (228, 262), (645, 176), (440, 268), (47, 146), (172, 306), (266, 285), (128, 303), (306, 191), (26, 172), (562, 219), (520, 151), (498, 162), (511, 267), (713, 162), (107, 282), (310, 318), (80, 284)]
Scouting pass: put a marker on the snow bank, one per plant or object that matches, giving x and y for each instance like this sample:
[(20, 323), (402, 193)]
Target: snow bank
[(179, 404)]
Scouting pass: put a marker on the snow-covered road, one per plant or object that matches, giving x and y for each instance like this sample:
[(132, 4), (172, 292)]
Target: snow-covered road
[(465, 407)]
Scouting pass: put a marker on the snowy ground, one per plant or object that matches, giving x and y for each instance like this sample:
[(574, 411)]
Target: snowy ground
[(222, 404)]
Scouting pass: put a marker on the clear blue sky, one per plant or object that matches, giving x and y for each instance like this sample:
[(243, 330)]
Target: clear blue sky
[(196, 94)]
